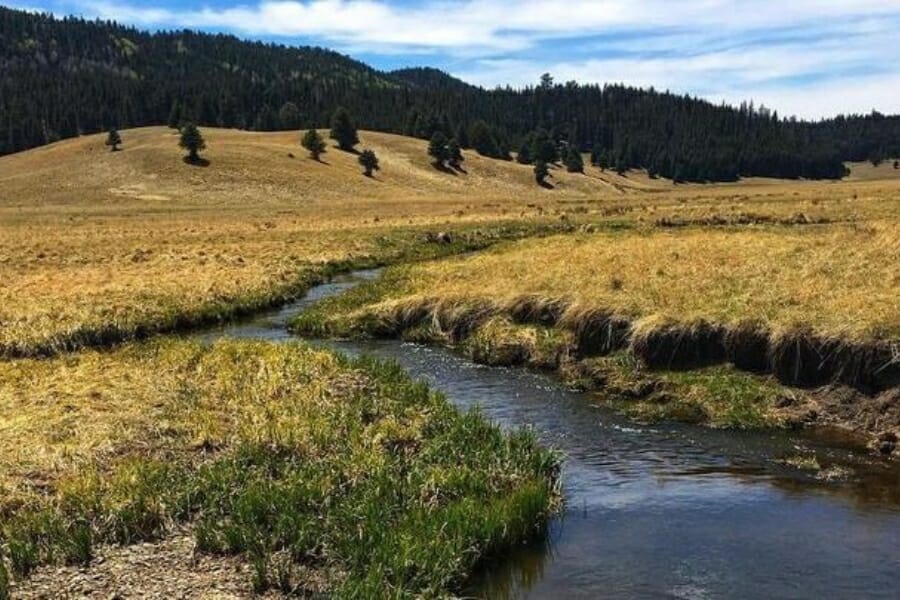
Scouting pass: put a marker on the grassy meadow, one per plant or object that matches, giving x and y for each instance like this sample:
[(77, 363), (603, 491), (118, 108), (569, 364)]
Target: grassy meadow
[(342, 475), (698, 302), (96, 246)]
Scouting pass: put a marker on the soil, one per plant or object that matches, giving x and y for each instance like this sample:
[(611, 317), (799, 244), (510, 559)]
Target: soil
[(165, 569), (876, 417)]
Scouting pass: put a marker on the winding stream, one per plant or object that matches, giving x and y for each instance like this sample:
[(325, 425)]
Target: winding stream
[(668, 511)]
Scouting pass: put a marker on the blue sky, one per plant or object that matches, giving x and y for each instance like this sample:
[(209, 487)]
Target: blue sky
[(811, 58)]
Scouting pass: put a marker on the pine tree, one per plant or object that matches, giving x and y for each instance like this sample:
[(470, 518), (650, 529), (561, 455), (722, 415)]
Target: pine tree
[(523, 157), (174, 120), (313, 142), (343, 130), (113, 140), (192, 141), (437, 149), (462, 136), (574, 162), (603, 161), (541, 172), (454, 154), (482, 140), (543, 148), (596, 153), (289, 115), (412, 121), (369, 162)]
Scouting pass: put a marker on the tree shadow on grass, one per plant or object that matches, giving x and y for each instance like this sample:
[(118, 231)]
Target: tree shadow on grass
[(443, 168), (348, 150), (196, 162)]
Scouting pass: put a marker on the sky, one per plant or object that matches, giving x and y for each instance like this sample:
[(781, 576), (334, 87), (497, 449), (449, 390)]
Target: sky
[(809, 58)]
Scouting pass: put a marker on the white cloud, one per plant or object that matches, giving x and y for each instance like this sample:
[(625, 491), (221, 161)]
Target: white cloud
[(730, 49), (495, 24)]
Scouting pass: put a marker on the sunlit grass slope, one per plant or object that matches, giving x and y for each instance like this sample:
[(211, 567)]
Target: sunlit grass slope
[(96, 245)]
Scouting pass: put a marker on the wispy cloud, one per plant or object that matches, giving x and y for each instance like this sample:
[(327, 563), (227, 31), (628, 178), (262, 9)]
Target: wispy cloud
[(770, 50)]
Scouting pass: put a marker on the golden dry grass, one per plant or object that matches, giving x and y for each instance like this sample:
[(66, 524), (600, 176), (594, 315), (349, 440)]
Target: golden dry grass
[(91, 239), (842, 281)]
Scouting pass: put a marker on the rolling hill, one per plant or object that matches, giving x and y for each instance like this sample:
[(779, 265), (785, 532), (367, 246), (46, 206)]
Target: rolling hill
[(60, 78)]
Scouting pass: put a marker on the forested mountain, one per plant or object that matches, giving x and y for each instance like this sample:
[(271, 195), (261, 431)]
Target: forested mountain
[(64, 77)]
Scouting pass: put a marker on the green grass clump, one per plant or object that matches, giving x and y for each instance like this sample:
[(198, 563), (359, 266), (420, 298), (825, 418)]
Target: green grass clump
[(346, 468), (721, 395), (339, 316)]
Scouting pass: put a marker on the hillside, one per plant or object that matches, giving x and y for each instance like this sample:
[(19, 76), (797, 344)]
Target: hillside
[(62, 78)]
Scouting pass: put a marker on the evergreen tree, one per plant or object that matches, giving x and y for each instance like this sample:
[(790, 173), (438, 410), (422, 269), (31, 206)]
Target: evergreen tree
[(266, 120), (543, 148), (603, 160), (369, 162), (192, 141), (482, 139), (343, 130), (541, 172), (289, 115), (454, 154), (113, 140), (462, 136), (437, 149), (313, 142), (174, 120), (596, 153), (574, 162), (410, 129), (523, 157), (52, 89)]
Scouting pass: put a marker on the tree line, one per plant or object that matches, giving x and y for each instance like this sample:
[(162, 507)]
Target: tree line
[(64, 77)]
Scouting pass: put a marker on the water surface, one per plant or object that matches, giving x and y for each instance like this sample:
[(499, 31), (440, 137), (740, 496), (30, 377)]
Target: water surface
[(668, 510)]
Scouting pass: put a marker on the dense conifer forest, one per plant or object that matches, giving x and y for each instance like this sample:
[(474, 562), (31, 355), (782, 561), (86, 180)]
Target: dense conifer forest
[(65, 77)]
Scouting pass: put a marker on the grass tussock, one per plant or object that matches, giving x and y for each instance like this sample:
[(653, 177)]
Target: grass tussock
[(811, 307), (285, 455)]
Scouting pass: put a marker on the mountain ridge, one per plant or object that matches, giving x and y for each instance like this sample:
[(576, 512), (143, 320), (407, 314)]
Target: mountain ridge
[(60, 78)]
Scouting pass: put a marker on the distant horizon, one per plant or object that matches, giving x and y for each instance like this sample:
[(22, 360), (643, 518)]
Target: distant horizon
[(812, 60)]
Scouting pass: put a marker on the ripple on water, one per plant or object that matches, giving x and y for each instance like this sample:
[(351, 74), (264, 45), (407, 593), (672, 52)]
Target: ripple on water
[(670, 511)]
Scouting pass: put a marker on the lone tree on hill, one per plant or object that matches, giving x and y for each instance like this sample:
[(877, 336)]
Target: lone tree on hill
[(113, 140), (574, 162), (454, 153), (343, 130), (192, 141), (313, 142), (543, 148), (437, 149), (369, 162), (896, 164), (541, 172)]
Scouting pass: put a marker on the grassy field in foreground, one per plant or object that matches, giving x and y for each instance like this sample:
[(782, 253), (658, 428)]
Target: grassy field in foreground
[(97, 245), (325, 473)]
